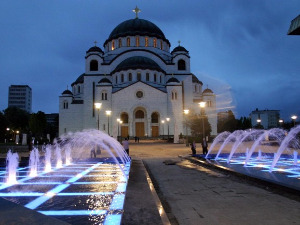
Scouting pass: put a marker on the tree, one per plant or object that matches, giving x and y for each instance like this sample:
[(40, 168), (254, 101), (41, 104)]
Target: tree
[(229, 124), (37, 124), (244, 123), (195, 122), (3, 126), (17, 119)]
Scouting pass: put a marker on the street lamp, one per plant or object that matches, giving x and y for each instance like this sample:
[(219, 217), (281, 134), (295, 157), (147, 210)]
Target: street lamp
[(186, 112), (98, 106), (163, 126), (108, 113), (294, 117), (119, 122), (280, 122), (202, 106), (168, 119)]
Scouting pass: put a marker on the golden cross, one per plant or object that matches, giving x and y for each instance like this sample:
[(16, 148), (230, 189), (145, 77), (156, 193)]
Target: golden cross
[(136, 11), (95, 43), (179, 42)]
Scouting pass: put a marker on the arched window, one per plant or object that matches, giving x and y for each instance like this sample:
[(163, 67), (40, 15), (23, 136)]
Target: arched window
[(160, 79), (137, 41), (122, 77), (155, 77), (113, 45), (154, 42), (93, 65), (146, 42), (154, 117), (139, 114), (181, 64), (139, 76), (66, 105), (78, 89), (174, 95), (195, 87), (128, 42), (116, 79), (161, 45), (120, 43), (147, 76), (130, 77), (124, 117), (104, 95)]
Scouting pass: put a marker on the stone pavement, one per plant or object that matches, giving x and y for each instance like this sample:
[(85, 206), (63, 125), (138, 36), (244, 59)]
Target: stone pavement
[(193, 194)]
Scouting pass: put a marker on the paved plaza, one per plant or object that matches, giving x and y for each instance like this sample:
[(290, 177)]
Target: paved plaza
[(192, 194)]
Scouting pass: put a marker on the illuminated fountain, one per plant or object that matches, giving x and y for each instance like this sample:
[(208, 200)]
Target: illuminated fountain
[(272, 150), (12, 163), (83, 188), (34, 160)]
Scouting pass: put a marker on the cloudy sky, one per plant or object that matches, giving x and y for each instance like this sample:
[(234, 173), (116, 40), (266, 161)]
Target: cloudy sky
[(239, 48)]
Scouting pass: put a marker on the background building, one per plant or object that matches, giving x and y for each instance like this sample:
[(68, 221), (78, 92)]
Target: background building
[(295, 26), (140, 81), (20, 96), (269, 118)]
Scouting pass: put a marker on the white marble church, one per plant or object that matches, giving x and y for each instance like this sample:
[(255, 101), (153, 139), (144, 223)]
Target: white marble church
[(139, 83)]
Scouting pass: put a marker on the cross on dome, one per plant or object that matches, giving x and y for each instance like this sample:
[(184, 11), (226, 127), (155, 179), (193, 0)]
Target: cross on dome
[(179, 42), (95, 42), (136, 11)]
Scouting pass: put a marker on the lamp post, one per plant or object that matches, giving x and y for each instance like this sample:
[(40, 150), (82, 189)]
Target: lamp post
[(280, 122), (186, 112), (294, 117), (202, 106), (108, 113), (119, 122), (258, 122), (168, 119), (98, 106), (163, 127)]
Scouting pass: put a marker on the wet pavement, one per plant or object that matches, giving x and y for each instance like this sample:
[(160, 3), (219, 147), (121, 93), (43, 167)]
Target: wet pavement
[(194, 194)]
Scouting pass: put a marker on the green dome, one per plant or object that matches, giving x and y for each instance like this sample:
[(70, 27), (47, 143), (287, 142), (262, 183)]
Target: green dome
[(135, 27), (138, 62)]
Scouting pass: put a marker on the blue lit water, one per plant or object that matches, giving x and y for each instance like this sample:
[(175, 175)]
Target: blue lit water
[(86, 192)]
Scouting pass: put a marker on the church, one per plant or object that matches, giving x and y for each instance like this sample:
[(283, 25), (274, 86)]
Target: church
[(135, 86)]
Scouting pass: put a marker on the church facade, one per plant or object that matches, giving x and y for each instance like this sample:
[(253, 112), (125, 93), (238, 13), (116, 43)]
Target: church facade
[(135, 86)]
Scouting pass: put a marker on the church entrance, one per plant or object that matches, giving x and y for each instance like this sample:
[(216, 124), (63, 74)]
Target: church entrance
[(124, 131), (140, 129), (155, 132)]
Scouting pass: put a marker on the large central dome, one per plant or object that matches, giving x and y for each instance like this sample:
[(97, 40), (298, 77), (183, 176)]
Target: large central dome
[(135, 27)]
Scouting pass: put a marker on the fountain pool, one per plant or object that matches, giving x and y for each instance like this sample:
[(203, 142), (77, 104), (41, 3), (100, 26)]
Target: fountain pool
[(270, 155), (84, 191)]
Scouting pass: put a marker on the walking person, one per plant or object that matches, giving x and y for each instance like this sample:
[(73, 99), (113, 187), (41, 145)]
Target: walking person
[(193, 148), (125, 144), (204, 146)]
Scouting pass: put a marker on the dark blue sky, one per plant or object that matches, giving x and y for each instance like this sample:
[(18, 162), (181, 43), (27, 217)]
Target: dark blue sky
[(239, 48)]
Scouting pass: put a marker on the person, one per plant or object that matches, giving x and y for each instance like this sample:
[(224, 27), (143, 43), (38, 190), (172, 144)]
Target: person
[(193, 148), (204, 146), (93, 153), (135, 138), (125, 144)]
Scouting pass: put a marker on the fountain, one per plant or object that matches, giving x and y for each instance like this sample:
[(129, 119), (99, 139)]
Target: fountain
[(82, 188), (274, 151), (34, 160), (12, 162)]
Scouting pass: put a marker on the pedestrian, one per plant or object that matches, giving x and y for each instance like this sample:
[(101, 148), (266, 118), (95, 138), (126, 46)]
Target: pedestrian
[(193, 148), (204, 146), (125, 144), (93, 153), (138, 139), (135, 138)]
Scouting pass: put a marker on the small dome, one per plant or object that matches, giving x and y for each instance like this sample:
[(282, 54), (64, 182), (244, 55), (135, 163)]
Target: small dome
[(104, 80), (180, 49), (135, 27), (79, 80), (67, 92), (173, 79), (138, 62), (208, 91), (196, 80), (94, 49)]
